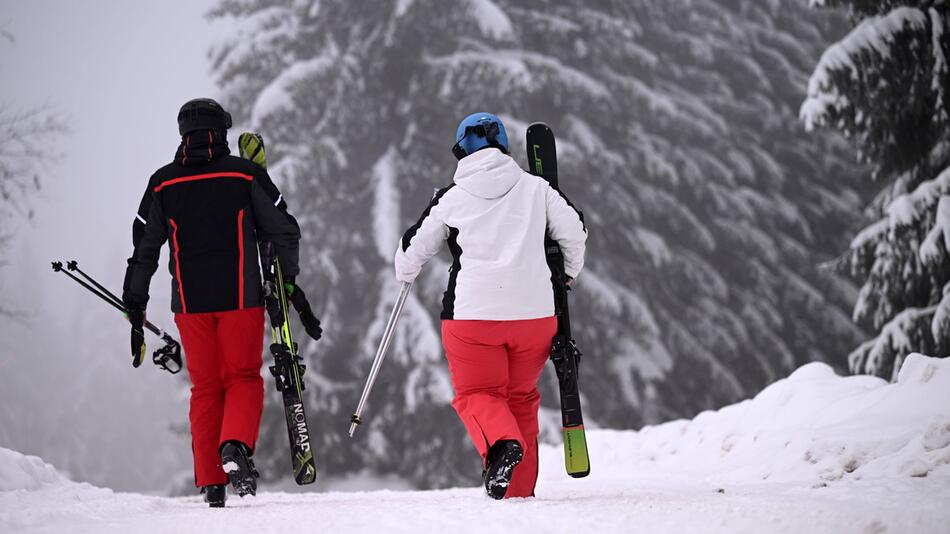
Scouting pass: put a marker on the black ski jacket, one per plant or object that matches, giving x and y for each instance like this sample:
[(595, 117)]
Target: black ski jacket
[(213, 209)]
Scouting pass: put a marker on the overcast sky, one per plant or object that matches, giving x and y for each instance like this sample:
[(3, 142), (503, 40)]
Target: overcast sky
[(117, 71)]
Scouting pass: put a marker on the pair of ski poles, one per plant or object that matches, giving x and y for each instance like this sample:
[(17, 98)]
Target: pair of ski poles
[(167, 357)]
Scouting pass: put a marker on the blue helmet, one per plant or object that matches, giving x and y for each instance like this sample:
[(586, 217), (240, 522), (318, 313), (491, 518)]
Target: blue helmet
[(477, 131)]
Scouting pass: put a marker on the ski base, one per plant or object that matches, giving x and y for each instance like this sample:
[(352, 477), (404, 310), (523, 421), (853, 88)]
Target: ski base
[(304, 469), (288, 374), (542, 161)]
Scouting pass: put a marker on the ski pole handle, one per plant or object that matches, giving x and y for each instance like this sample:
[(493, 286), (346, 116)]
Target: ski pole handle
[(380, 355)]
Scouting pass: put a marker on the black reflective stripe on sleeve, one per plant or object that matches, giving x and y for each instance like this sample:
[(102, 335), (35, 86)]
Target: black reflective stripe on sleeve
[(448, 298), (411, 232), (571, 204)]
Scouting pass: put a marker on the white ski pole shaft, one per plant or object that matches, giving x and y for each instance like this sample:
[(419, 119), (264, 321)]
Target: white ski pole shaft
[(380, 355)]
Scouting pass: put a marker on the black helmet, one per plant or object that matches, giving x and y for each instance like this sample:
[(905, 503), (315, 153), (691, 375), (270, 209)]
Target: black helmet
[(202, 114)]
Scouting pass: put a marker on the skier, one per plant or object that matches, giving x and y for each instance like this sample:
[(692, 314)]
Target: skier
[(213, 208), (498, 310)]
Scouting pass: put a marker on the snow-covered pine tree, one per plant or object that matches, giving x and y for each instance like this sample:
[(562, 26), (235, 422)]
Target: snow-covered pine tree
[(708, 208), (885, 86)]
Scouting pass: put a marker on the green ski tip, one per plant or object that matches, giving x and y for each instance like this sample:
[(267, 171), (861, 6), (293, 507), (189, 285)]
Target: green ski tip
[(575, 452)]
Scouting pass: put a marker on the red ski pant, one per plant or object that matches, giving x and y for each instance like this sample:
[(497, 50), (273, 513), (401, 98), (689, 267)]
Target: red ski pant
[(495, 366), (223, 355)]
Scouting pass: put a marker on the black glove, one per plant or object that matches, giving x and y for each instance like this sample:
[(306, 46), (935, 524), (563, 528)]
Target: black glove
[(297, 297), (137, 318)]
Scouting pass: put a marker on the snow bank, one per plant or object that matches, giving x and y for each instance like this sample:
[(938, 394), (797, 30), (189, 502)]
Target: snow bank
[(21, 472), (813, 427)]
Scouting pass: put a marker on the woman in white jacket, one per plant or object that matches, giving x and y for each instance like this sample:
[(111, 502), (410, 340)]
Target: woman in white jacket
[(498, 310)]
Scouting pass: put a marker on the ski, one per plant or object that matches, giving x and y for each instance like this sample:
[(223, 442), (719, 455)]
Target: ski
[(287, 369), (542, 161)]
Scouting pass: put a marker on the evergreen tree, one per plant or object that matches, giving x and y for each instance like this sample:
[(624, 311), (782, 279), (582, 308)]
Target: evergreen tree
[(708, 208), (885, 85)]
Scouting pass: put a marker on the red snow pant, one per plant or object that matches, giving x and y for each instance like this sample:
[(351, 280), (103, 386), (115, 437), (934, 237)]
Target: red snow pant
[(495, 366), (223, 355)]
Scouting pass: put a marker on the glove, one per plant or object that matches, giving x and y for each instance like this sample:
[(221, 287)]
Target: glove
[(137, 318), (297, 297)]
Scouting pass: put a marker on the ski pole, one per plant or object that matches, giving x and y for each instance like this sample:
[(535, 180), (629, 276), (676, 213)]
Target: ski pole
[(73, 265), (380, 355), (171, 352), (105, 294), (58, 268)]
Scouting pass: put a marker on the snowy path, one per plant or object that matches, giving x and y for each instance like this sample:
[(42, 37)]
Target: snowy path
[(812, 453), (646, 505)]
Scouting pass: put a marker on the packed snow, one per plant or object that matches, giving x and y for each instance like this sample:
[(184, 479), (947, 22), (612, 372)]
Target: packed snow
[(814, 452)]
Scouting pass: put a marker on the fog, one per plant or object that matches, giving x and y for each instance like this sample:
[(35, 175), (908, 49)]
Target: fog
[(117, 73)]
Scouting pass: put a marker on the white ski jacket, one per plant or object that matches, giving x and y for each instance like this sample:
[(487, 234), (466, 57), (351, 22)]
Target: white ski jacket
[(494, 217)]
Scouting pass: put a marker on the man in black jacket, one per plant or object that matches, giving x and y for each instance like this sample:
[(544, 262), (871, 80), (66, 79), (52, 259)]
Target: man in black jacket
[(213, 209)]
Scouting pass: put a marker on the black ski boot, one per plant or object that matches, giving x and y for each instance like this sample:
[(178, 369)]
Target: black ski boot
[(236, 462), (215, 495), (503, 456)]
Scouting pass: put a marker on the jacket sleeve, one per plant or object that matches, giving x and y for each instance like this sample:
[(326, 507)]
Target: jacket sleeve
[(138, 230), (566, 226), (273, 223), (149, 233), (421, 241)]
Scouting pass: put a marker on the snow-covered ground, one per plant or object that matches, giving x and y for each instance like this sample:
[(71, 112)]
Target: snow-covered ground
[(811, 453)]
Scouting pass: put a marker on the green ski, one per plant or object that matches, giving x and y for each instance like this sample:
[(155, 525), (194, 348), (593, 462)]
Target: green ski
[(542, 160)]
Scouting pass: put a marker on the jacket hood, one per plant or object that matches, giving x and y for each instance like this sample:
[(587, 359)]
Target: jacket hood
[(201, 147), (488, 173)]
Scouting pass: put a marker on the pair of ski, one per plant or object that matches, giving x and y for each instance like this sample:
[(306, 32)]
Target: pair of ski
[(288, 368), (542, 161)]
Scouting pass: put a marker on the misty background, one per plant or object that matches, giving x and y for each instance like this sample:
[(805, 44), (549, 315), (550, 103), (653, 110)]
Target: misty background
[(709, 208), (116, 73)]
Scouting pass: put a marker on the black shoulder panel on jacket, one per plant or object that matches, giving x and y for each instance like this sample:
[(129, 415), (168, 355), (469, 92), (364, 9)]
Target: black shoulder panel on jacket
[(571, 204), (411, 232)]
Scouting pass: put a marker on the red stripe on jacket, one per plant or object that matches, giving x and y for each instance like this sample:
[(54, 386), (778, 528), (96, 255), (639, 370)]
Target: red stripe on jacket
[(207, 176), (181, 288), (241, 260)]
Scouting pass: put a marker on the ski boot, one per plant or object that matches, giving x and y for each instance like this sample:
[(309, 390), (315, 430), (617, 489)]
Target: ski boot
[(215, 495), (236, 462), (502, 459)]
